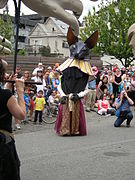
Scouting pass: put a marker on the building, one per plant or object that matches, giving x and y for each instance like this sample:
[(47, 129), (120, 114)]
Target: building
[(52, 34), (27, 23)]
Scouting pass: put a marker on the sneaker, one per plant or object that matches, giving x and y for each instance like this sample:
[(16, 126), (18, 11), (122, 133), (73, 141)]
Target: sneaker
[(18, 126), (50, 116), (40, 123), (87, 110), (108, 115), (93, 110), (34, 123)]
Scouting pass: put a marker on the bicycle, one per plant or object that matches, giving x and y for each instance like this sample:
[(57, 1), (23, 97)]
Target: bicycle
[(48, 116)]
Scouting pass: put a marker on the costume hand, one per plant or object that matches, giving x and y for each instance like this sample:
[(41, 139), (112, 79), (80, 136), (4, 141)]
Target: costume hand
[(63, 100), (75, 97)]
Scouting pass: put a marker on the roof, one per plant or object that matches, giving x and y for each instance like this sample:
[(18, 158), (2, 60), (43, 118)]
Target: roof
[(63, 28), (61, 25), (29, 20)]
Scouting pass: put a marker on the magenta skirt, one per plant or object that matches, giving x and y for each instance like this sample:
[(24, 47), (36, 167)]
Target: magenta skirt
[(82, 122)]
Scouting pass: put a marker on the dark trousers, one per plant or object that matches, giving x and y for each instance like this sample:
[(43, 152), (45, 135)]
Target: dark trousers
[(122, 118), (9, 162), (36, 116), (115, 89), (133, 96)]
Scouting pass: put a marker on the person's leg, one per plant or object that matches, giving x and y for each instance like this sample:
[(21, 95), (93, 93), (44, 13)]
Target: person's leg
[(31, 114), (40, 116), (119, 121), (129, 117), (17, 125), (114, 89), (102, 111), (36, 115), (88, 96), (93, 99)]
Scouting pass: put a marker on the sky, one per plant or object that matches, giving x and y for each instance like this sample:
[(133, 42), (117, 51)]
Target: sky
[(86, 3)]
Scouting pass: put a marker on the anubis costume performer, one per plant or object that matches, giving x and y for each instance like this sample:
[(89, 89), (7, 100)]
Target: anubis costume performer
[(75, 73)]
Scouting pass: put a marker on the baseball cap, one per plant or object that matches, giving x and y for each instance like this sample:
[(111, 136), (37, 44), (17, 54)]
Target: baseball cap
[(40, 64), (49, 68)]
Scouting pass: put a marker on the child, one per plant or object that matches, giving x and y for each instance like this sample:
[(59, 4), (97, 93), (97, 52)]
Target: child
[(39, 106), (53, 102), (27, 104), (31, 95)]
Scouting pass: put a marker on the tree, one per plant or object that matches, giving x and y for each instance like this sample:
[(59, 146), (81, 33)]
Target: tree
[(6, 25), (112, 21), (45, 51)]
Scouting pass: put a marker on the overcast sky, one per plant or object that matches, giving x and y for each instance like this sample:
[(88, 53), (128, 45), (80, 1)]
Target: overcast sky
[(86, 3)]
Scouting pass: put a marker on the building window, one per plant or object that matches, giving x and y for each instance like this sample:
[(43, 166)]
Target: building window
[(65, 44), (21, 39), (53, 29)]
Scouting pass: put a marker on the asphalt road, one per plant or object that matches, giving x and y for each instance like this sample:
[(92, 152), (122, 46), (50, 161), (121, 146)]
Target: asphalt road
[(106, 153)]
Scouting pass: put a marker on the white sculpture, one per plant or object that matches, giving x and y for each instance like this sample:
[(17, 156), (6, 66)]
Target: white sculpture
[(4, 42), (57, 9), (131, 37)]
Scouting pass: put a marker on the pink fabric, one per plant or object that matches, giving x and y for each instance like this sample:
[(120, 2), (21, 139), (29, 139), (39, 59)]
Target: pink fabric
[(103, 105), (82, 122)]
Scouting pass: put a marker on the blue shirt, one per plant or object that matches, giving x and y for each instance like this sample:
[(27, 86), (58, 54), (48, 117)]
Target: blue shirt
[(125, 106), (26, 99), (92, 84)]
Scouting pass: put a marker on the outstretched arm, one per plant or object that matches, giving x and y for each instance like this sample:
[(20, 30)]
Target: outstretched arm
[(57, 9)]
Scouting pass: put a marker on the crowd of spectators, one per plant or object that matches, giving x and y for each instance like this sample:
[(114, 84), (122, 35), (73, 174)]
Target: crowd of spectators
[(110, 84), (103, 91)]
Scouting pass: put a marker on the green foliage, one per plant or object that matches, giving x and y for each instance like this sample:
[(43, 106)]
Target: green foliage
[(112, 21), (22, 52), (6, 27), (45, 51)]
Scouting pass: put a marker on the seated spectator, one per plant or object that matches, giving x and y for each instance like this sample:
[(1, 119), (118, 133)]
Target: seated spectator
[(18, 71), (39, 78), (26, 76), (123, 111), (104, 106), (55, 81), (40, 67), (53, 102)]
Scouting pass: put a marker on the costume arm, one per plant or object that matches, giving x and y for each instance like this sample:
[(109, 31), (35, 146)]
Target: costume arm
[(83, 93), (60, 90)]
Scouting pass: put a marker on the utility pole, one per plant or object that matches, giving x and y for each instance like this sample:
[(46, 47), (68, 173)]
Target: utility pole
[(17, 22)]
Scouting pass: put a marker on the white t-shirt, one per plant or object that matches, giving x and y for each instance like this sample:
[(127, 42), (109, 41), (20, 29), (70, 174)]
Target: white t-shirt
[(35, 71), (51, 99), (39, 87)]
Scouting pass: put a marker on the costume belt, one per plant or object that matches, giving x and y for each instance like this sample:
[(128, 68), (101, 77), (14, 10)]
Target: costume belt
[(6, 133)]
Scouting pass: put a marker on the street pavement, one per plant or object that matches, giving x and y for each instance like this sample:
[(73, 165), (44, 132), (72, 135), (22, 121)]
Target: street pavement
[(106, 153)]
